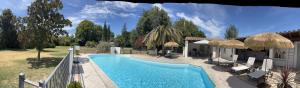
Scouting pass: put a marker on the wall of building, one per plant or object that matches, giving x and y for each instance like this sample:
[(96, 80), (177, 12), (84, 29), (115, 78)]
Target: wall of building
[(283, 57), (226, 53)]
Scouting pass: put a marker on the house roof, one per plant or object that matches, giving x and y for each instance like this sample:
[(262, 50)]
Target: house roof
[(194, 38)]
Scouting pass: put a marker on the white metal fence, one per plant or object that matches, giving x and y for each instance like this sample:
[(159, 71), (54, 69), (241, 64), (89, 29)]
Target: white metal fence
[(59, 78)]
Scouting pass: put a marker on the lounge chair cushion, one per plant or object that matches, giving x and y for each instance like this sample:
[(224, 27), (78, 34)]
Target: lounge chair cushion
[(240, 68), (257, 74)]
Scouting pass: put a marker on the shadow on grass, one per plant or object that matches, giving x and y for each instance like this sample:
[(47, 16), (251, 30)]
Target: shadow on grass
[(14, 49), (44, 62), (48, 51)]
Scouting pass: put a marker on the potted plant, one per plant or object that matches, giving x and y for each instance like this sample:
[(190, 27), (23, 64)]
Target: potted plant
[(285, 78), (74, 84)]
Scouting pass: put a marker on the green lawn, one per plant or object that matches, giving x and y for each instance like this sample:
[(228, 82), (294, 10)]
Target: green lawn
[(12, 62)]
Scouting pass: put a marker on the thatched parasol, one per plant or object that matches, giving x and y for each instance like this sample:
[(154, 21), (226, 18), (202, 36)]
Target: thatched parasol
[(268, 41), (215, 42), (232, 43), (171, 44)]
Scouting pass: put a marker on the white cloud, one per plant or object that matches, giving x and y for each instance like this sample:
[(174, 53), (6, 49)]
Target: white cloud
[(102, 9), (107, 8), (75, 21), (17, 6), (212, 26), (217, 12)]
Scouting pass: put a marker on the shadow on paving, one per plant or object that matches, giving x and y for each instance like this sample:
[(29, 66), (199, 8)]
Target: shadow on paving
[(235, 82), (44, 62), (297, 79), (77, 67), (221, 68)]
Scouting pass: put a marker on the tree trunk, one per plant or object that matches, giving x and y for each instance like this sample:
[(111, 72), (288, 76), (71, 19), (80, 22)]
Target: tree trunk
[(39, 55)]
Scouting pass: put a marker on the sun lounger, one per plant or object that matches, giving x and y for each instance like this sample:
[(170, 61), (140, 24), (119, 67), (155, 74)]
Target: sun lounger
[(266, 67), (225, 61), (250, 62)]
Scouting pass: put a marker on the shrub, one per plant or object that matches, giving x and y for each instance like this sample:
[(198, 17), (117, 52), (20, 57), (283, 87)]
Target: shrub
[(103, 46), (74, 84), (90, 44)]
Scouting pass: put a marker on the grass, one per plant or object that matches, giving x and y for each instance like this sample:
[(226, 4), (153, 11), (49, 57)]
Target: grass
[(12, 62)]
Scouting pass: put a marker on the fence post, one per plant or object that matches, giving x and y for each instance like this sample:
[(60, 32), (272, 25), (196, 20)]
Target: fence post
[(21, 80)]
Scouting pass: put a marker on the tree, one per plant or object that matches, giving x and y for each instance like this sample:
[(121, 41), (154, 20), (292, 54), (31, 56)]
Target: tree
[(98, 33), (188, 29), (126, 36), (45, 21), (9, 29), (231, 32), (151, 19), (24, 36), (85, 31), (161, 35), (133, 37)]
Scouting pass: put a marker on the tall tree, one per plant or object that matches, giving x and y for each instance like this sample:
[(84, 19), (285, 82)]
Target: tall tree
[(45, 21), (126, 36), (188, 29), (133, 36), (104, 33), (151, 19), (9, 29), (98, 33), (161, 35), (231, 32)]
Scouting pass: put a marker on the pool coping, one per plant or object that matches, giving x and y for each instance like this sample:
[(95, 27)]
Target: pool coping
[(107, 81)]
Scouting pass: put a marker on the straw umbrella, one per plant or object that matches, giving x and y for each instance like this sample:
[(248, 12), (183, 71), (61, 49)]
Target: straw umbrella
[(232, 43), (171, 44), (268, 41)]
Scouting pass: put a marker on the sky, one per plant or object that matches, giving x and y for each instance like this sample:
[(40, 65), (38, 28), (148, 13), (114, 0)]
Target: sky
[(213, 19)]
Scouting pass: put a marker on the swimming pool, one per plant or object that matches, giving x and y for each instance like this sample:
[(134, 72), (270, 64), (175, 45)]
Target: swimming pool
[(129, 72)]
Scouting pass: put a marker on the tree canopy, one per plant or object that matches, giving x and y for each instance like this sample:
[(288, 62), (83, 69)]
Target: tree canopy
[(8, 30), (152, 19), (188, 29), (161, 35), (231, 32), (45, 22)]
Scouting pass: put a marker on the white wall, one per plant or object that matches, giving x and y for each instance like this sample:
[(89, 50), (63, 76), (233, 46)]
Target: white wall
[(115, 50), (226, 53), (288, 58)]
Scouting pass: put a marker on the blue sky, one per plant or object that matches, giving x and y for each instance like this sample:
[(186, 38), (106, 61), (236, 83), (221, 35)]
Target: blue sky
[(210, 18)]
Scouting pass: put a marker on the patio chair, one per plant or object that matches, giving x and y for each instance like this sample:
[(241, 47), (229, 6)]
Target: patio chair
[(225, 61), (266, 67), (249, 64), (170, 54)]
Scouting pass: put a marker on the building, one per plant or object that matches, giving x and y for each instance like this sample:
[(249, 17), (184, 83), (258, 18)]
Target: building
[(196, 50), (281, 57)]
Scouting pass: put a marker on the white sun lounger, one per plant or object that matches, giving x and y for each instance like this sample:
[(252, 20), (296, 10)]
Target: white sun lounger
[(250, 62), (266, 67), (225, 61)]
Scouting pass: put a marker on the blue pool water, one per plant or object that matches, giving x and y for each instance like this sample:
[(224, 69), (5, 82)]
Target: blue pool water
[(128, 72)]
